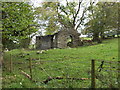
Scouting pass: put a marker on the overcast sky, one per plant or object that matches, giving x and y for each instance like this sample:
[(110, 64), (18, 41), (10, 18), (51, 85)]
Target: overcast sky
[(37, 2)]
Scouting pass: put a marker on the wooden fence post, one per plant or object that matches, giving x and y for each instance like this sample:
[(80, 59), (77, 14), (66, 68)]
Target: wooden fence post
[(110, 75), (30, 65), (11, 63), (93, 73), (118, 79)]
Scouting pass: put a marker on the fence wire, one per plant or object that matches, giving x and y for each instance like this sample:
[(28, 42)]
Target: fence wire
[(66, 73), (107, 74), (69, 72)]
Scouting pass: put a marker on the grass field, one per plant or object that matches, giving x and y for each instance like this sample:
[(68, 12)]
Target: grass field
[(65, 63)]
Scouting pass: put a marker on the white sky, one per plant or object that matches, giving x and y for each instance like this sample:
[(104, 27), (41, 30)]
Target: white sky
[(37, 2)]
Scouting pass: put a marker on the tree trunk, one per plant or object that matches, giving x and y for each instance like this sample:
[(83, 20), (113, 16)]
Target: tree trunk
[(102, 35), (96, 38), (118, 33)]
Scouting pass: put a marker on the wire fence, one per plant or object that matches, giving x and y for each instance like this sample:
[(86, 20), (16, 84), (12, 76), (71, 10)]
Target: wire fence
[(107, 73), (92, 74)]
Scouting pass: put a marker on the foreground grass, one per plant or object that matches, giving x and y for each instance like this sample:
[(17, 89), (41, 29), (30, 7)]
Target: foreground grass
[(70, 62)]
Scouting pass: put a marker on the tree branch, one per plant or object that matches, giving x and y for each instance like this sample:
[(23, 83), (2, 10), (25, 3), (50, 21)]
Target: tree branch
[(61, 20), (67, 3), (64, 11), (77, 12), (51, 78), (25, 74), (72, 13), (81, 19)]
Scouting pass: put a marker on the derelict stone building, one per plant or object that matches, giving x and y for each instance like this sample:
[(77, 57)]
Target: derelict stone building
[(57, 40), (44, 42)]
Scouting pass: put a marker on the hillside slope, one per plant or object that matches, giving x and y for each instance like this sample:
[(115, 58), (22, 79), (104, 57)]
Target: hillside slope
[(70, 62)]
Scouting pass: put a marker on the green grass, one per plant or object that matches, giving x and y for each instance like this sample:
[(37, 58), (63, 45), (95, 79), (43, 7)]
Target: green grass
[(70, 62)]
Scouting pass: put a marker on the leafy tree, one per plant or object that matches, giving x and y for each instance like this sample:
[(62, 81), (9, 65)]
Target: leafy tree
[(113, 16), (96, 23), (103, 17), (67, 16), (17, 20), (47, 17)]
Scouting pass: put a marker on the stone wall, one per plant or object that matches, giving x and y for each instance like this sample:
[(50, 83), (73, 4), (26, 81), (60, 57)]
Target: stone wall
[(62, 39), (57, 40), (44, 42)]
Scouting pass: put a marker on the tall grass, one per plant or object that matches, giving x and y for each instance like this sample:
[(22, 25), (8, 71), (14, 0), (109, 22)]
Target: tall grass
[(70, 62)]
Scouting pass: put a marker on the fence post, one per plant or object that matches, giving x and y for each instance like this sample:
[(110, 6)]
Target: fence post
[(110, 75), (93, 73), (118, 79), (10, 63), (30, 65)]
